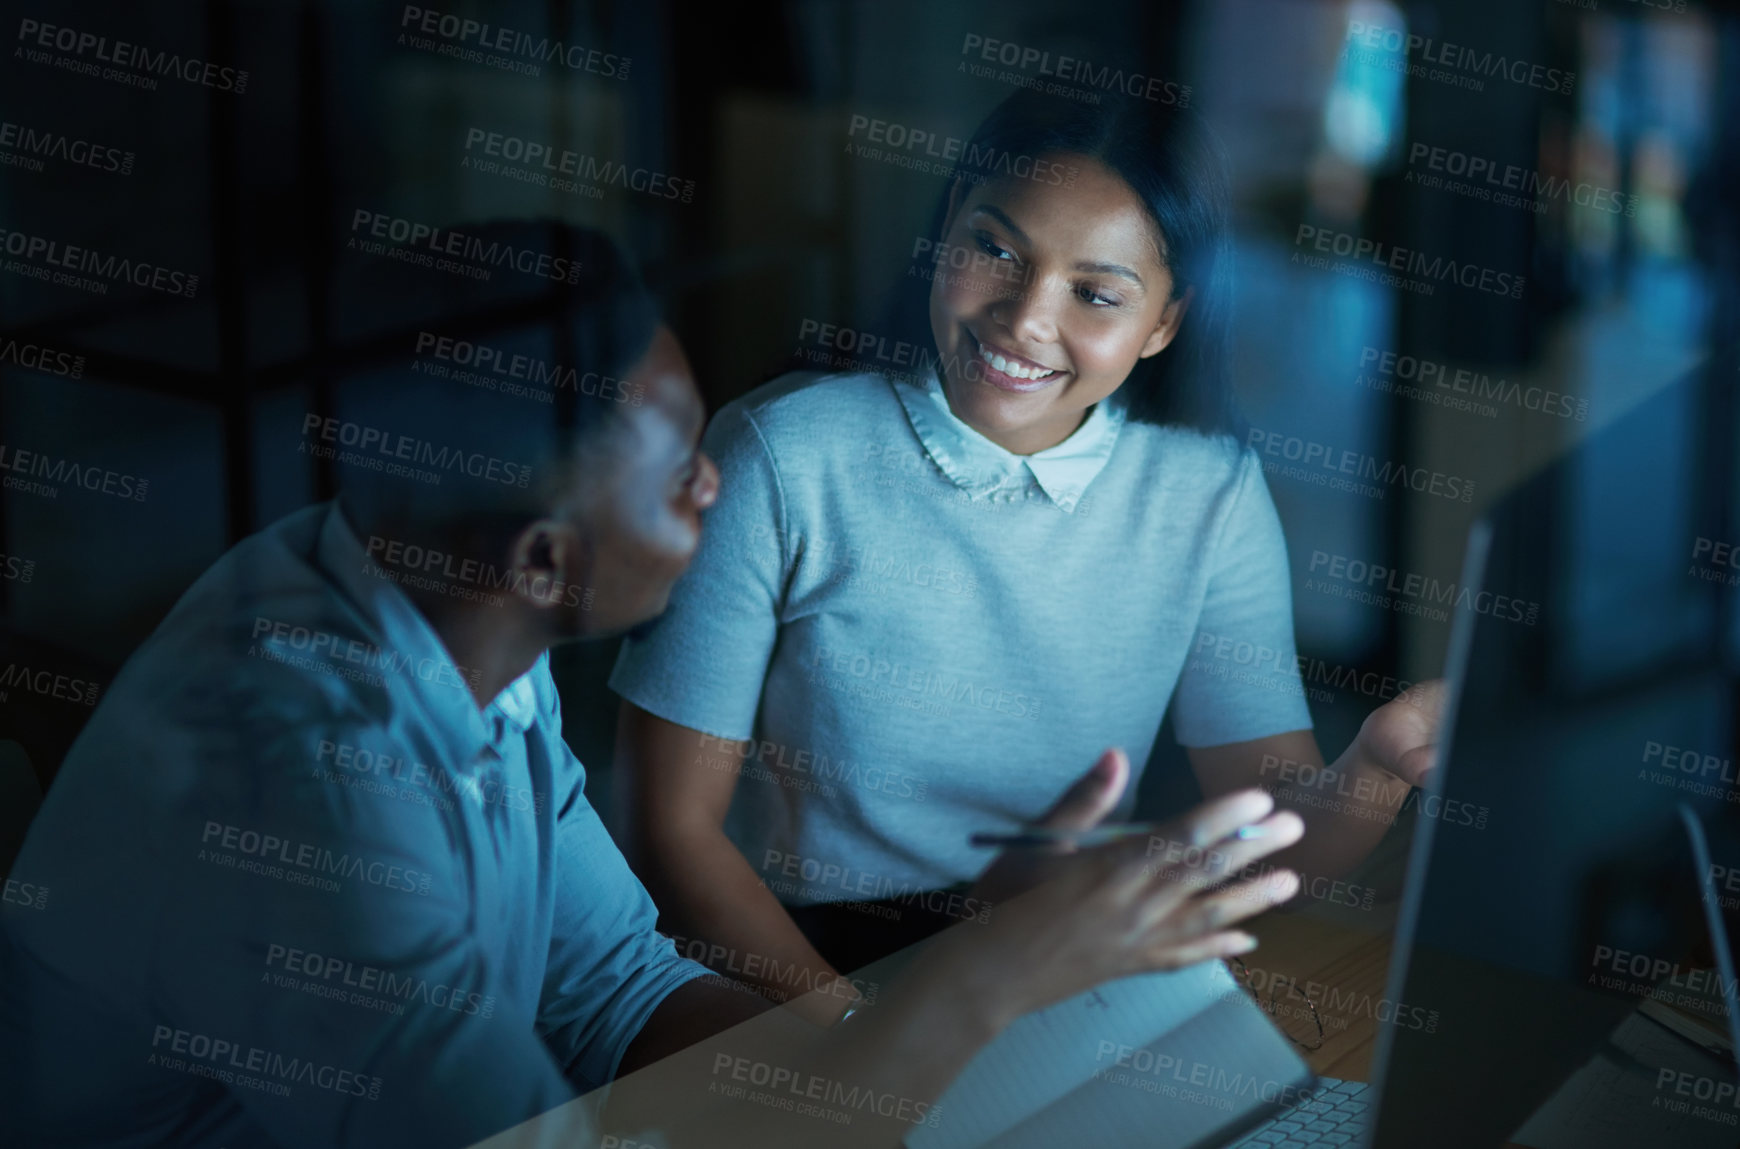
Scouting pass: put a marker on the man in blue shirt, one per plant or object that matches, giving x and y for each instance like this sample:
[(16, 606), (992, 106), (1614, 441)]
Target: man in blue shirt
[(322, 866)]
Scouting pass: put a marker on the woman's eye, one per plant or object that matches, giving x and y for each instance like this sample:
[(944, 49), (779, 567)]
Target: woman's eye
[(1097, 298), (992, 249)]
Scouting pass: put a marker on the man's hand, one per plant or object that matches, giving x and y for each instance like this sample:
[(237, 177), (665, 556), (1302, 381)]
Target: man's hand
[(1145, 904), (1082, 807), (1402, 735)]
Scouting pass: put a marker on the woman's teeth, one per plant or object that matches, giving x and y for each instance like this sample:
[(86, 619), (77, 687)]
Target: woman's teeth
[(1013, 370)]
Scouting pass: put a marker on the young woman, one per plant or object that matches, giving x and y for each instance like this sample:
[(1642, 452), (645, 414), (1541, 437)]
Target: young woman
[(924, 603)]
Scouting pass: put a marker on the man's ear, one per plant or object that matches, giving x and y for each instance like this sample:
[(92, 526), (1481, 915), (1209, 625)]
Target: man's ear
[(547, 552), (1171, 320)]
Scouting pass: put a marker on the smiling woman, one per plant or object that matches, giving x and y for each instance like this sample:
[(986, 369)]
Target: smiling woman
[(950, 607), (1089, 273)]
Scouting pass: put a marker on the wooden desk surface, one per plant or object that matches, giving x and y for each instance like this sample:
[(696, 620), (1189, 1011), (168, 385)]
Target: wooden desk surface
[(1343, 966)]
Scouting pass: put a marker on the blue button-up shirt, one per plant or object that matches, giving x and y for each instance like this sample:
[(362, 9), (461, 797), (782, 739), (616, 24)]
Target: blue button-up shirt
[(302, 891)]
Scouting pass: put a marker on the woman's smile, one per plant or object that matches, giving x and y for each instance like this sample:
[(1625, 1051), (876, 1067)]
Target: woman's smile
[(1007, 371)]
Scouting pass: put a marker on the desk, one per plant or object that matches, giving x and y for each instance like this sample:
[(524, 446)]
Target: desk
[(1344, 968)]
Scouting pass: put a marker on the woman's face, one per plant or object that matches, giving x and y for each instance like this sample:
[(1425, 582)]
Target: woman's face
[(1065, 284)]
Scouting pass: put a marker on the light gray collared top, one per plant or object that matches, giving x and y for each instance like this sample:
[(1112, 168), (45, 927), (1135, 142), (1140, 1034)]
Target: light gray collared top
[(927, 635)]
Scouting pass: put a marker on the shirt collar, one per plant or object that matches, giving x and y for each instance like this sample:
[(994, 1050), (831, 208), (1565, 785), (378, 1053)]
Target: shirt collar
[(406, 635), (984, 469)]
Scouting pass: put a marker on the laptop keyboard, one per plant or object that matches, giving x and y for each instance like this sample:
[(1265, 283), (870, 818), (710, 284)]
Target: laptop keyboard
[(1335, 1115)]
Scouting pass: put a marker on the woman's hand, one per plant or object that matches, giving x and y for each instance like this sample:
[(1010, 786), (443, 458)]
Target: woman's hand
[(1154, 903), (1082, 806), (1402, 735)]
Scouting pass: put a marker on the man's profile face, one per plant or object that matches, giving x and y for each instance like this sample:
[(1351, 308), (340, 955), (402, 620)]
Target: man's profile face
[(640, 516)]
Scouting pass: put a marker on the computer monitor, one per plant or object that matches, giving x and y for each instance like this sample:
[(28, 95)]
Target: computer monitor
[(1580, 740)]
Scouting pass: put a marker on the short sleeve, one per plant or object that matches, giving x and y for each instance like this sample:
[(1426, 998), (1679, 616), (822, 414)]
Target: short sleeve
[(608, 968), (1241, 674), (701, 664)]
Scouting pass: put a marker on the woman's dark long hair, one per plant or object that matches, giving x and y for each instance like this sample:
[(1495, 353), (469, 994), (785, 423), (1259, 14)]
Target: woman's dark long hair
[(1172, 162)]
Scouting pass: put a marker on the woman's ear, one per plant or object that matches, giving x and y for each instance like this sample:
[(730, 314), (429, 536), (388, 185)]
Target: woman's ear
[(1171, 319)]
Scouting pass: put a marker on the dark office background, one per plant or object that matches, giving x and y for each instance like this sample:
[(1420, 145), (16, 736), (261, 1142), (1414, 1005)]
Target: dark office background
[(754, 104)]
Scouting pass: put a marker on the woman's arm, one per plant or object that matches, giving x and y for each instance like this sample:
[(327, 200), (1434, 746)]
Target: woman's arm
[(682, 782), (1348, 805)]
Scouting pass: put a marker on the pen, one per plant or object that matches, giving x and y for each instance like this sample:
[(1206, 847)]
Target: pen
[(1036, 836)]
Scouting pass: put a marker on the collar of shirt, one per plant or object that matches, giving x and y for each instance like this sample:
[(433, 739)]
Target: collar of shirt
[(408, 640), (982, 468)]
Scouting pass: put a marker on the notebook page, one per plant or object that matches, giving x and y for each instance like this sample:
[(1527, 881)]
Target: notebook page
[(1046, 1055), (1203, 1083)]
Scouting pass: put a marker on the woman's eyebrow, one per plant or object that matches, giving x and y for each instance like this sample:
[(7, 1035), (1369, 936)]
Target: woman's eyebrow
[(1096, 267), (1117, 269), (1002, 217)]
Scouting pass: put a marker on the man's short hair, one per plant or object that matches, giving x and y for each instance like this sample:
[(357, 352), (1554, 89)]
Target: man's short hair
[(481, 363)]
